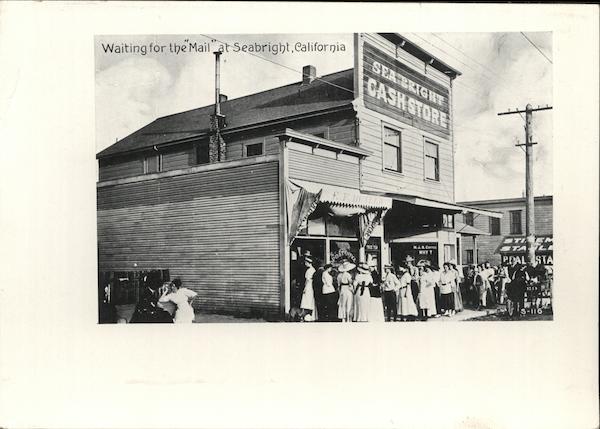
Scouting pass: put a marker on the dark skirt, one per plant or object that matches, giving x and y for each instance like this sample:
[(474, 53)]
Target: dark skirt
[(447, 301)]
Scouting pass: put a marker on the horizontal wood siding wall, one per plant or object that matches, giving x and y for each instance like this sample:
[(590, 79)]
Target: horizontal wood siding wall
[(178, 158), (337, 127), (217, 230), (412, 179), (122, 167), (316, 168)]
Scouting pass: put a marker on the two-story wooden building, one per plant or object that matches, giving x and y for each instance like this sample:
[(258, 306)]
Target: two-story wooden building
[(357, 164), (502, 240)]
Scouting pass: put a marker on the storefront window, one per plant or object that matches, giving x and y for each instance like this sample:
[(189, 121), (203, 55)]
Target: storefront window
[(341, 226), (343, 249)]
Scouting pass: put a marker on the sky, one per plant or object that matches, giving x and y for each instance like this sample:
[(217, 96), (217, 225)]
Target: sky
[(500, 71)]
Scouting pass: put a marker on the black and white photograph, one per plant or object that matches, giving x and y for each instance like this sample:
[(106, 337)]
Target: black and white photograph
[(299, 215), (365, 177)]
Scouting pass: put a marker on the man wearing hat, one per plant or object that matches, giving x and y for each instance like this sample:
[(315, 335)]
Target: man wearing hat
[(391, 285), (414, 275)]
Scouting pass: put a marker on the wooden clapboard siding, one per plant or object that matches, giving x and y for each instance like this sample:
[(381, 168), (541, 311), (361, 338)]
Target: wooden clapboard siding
[(216, 230), (316, 168), (121, 167), (182, 156), (412, 179), (337, 127)]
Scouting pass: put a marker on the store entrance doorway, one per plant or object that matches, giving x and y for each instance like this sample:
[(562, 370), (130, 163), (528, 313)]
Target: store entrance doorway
[(299, 247)]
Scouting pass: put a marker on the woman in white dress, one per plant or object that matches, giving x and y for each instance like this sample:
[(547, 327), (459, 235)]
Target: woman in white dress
[(308, 294), (181, 297), (407, 309), (346, 299), (362, 294), (427, 293)]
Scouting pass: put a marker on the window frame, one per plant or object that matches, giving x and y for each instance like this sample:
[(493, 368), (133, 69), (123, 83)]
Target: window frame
[(158, 157), (467, 216), (469, 256), (513, 224), (198, 145), (399, 159), (496, 221), (450, 224), (262, 149), (437, 159)]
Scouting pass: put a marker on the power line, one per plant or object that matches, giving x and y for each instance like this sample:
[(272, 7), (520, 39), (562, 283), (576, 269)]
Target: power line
[(536, 47)]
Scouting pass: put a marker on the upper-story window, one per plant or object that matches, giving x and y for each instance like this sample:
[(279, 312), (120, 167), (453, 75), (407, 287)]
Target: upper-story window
[(515, 222), (152, 164), (432, 162), (254, 149), (448, 221), (202, 152), (392, 150), (494, 226), (468, 218)]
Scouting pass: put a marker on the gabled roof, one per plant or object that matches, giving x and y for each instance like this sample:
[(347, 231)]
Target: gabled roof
[(327, 92)]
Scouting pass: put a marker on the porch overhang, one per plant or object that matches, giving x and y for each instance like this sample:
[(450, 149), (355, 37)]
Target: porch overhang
[(440, 205)]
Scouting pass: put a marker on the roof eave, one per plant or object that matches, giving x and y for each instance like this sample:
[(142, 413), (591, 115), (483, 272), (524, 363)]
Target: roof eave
[(415, 50)]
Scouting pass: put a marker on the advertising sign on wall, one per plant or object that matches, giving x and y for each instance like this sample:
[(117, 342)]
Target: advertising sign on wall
[(394, 89), (515, 249)]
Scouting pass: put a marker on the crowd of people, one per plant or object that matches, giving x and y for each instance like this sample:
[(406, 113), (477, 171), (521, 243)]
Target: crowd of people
[(159, 302), (350, 293)]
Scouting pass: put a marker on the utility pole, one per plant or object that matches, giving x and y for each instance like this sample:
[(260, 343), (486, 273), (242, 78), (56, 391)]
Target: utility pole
[(530, 208)]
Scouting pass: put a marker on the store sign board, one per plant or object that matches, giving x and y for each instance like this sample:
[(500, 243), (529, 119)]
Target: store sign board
[(514, 249), (518, 245), (396, 90)]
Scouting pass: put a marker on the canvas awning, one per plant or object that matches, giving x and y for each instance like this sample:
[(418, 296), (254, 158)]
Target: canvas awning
[(344, 197), (464, 229)]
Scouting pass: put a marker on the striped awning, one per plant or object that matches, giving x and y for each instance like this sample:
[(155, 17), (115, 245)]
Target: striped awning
[(345, 197)]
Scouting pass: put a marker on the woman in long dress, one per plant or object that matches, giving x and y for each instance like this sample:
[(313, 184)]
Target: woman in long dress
[(458, 299), (407, 309), (308, 295), (362, 294), (346, 298), (181, 297), (427, 293)]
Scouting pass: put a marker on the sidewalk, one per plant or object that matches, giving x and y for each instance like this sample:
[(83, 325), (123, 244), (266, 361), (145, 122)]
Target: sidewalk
[(467, 314)]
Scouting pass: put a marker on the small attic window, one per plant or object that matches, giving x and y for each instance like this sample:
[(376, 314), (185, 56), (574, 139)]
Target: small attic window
[(254, 149)]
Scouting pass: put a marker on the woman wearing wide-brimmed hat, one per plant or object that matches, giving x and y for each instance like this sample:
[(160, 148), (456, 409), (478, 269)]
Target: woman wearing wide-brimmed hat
[(362, 295), (346, 298)]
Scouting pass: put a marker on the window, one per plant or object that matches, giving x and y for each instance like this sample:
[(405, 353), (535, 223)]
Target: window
[(494, 226), (152, 164), (468, 218), (448, 221), (254, 149), (202, 153), (469, 258), (432, 166), (392, 153), (449, 252), (515, 222)]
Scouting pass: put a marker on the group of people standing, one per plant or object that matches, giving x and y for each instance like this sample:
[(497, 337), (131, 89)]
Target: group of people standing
[(154, 299), (351, 293)]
